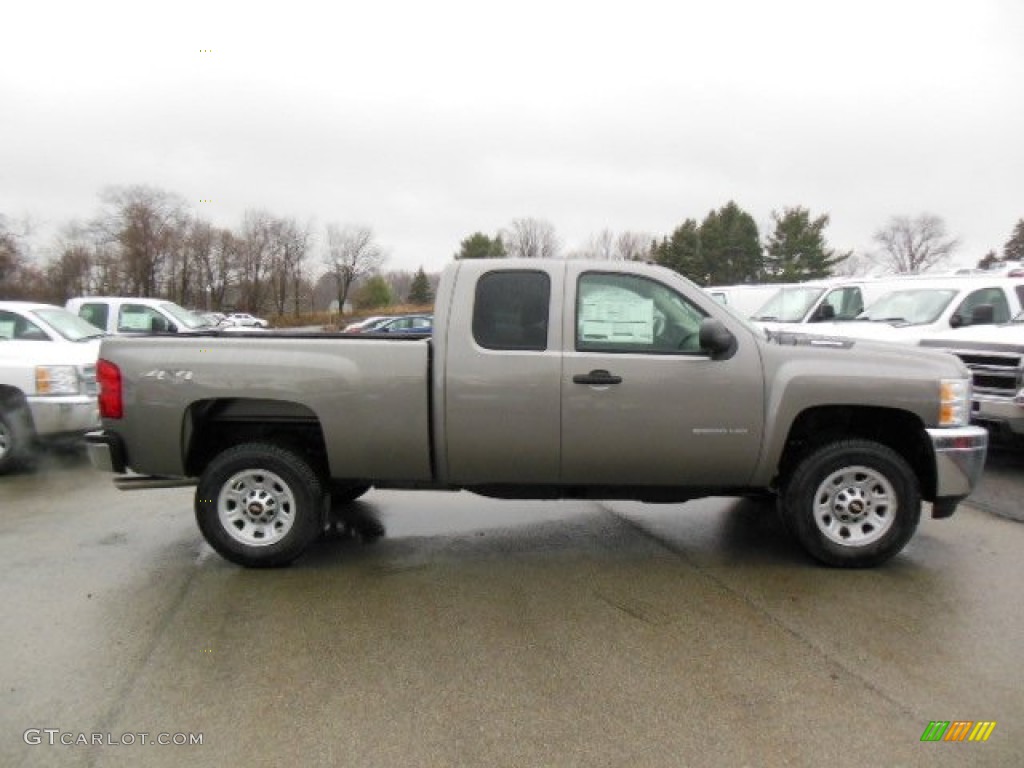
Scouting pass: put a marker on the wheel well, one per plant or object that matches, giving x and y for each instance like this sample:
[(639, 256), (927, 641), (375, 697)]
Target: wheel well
[(213, 426), (902, 431), (12, 400)]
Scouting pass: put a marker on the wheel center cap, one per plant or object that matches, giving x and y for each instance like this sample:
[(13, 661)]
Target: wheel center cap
[(255, 508), (856, 507)]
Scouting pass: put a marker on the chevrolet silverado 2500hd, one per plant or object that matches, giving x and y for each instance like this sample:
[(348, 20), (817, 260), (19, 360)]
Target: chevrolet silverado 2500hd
[(545, 379)]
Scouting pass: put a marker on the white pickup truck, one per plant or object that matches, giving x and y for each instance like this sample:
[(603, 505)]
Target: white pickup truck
[(47, 377), (995, 356)]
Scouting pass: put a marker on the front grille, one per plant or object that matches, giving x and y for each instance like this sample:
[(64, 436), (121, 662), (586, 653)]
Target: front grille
[(994, 373)]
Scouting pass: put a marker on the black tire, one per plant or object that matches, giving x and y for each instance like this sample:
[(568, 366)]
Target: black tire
[(15, 438), (853, 504), (346, 493), (259, 505)]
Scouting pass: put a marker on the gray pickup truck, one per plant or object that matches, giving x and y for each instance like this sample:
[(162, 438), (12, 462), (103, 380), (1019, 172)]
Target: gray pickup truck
[(545, 379)]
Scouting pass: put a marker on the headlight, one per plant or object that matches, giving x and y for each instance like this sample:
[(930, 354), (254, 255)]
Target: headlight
[(56, 380), (954, 402)]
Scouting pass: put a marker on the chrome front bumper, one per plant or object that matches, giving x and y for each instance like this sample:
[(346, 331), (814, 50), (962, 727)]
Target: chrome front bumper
[(959, 461), (63, 414)]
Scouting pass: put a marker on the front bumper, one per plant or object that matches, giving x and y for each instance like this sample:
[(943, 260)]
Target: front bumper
[(63, 414), (1001, 411), (959, 461)]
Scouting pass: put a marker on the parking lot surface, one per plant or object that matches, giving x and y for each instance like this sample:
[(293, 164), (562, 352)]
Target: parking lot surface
[(494, 633)]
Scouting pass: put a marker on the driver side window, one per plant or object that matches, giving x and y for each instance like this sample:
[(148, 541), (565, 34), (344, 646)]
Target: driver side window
[(628, 313)]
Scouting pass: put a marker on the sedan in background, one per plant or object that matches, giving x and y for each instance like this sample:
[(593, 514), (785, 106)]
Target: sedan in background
[(406, 324), (243, 319)]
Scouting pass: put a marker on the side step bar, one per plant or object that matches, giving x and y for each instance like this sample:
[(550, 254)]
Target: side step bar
[(149, 482)]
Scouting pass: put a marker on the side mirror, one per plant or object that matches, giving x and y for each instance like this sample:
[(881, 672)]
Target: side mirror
[(716, 339)]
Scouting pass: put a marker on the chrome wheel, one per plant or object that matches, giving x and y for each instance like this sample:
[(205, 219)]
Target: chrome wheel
[(855, 506), (256, 507)]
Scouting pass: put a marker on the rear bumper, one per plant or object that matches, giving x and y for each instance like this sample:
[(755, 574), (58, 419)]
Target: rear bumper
[(959, 461), (63, 415), (106, 452)]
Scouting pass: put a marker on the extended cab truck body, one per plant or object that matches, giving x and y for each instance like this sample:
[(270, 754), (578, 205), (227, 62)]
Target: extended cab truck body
[(47, 377), (995, 356), (546, 379)]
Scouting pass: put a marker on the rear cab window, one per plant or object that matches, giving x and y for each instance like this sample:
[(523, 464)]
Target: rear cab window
[(511, 310)]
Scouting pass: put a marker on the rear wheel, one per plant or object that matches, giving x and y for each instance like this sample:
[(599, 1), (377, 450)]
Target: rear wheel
[(853, 504), (259, 505)]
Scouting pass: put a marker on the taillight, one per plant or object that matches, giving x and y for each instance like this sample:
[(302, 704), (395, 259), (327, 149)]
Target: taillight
[(108, 376)]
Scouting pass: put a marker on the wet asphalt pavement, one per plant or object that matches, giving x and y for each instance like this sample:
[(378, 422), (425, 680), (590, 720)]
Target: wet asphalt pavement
[(487, 633)]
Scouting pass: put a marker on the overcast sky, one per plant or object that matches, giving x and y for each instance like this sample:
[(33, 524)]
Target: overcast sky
[(431, 120)]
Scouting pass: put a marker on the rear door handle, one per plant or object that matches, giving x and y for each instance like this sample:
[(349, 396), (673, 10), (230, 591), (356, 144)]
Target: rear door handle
[(599, 378)]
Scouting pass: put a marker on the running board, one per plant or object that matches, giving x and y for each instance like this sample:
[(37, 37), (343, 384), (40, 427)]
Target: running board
[(149, 482)]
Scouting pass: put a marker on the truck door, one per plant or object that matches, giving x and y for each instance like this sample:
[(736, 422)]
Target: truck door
[(641, 403), (503, 367)]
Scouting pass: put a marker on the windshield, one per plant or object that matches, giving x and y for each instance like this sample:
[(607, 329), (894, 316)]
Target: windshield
[(789, 305), (68, 324), (184, 317), (909, 307)]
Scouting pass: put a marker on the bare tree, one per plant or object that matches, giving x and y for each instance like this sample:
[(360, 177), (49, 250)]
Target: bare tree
[(633, 246), (259, 247), (602, 245), (531, 239), (913, 245), (351, 254), (146, 226), (290, 252)]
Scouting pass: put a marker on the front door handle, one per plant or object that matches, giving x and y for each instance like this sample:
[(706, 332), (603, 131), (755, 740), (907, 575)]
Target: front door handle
[(598, 378)]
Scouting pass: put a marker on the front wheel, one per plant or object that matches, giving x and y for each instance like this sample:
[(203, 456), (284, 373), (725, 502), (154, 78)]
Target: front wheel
[(15, 438), (853, 504), (259, 505)]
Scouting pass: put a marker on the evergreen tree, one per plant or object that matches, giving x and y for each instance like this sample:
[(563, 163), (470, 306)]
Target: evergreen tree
[(730, 247), (420, 292), (988, 261), (1014, 248), (480, 246), (797, 250), (682, 252)]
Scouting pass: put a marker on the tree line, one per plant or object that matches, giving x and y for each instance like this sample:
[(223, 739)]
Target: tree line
[(726, 248), (145, 241), (149, 242)]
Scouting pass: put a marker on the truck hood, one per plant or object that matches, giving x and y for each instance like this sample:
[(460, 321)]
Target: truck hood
[(861, 329), (50, 352), (887, 355)]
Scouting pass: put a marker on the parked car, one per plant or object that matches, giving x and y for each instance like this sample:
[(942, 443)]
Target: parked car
[(245, 320), (136, 315), (366, 324), (47, 377), (408, 324)]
